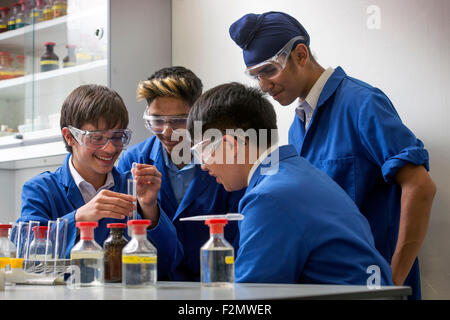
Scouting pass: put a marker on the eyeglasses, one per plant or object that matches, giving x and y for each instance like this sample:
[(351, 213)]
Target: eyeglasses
[(157, 124), (272, 67), (98, 139), (203, 150)]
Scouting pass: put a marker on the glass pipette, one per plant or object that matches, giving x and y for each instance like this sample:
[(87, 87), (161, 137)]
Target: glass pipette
[(228, 216)]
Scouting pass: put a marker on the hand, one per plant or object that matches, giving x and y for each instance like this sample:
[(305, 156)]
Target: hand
[(148, 183), (106, 204)]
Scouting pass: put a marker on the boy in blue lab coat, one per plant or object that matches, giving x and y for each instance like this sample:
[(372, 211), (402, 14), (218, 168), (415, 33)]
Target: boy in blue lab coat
[(299, 226), (87, 187), (350, 131), (186, 190)]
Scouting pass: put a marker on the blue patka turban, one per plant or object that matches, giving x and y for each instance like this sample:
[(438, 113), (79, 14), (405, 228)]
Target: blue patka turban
[(261, 36)]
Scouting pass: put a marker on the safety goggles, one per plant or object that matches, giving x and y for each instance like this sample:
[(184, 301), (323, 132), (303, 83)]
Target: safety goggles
[(157, 124), (272, 67), (98, 139), (203, 150)]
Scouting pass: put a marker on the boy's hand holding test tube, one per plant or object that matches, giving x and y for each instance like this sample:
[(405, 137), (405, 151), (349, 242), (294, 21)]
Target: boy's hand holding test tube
[(148, 183)]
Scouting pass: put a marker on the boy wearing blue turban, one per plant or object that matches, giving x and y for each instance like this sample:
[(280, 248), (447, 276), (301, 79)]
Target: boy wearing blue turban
[(351, 131)]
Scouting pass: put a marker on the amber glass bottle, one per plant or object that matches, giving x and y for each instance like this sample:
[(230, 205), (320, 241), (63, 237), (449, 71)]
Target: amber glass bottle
[(112, 248), (49, 60)]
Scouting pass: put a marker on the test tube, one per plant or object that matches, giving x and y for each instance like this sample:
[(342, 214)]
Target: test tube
[(132, 191)]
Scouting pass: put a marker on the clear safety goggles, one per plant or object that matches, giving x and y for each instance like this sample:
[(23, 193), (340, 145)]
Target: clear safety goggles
[(99, 139), (272, 67), (157, 124), (203, 150)]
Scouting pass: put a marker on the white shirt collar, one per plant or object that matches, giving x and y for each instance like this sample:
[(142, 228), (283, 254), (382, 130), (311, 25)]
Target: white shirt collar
[(261, 158), (311, 100), (87, 190)]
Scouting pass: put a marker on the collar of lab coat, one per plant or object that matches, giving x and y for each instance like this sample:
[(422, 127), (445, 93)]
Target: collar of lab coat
[(73, 193), (331, 85), (284, 152)]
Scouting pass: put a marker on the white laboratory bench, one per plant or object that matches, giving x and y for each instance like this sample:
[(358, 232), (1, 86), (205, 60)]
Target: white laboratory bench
[(195, 291)]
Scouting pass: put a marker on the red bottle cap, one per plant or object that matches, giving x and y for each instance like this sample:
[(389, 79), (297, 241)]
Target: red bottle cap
[(49, 43), (42, 233), (4, 53), (139, 226), (87, 229), (216, 225), (5, 226), (116, 225)]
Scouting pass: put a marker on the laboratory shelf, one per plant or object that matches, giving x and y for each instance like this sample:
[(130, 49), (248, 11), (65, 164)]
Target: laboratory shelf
[(19, 40), (93, 72)]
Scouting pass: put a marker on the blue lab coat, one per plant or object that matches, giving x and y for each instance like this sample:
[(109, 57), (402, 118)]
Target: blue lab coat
[(299, 226), (52, 195), (203, 196), (358, 139)]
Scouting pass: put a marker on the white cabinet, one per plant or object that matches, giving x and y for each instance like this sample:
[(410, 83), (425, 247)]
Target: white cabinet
[(118, 43)]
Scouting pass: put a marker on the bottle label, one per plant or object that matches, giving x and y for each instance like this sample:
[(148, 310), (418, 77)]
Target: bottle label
[(18, 21), (229, 260), (12, 22), (138, 260), (40, 257), (68, 64), (44, 62), (86, 255), (3, 26)]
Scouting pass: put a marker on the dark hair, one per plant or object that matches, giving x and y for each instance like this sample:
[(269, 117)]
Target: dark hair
[(233, 106), (90, 103), (176, 82)]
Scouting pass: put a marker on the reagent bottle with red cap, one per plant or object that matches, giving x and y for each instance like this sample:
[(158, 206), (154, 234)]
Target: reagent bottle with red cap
[(87, 255), (139, 257), (217, 257)]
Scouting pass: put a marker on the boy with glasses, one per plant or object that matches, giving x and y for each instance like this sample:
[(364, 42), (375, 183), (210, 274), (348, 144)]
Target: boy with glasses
[(87, 187), (299, 226), (349, 130), (186, 190)]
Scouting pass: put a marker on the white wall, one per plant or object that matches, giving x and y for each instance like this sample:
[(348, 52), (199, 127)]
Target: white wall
[(406, 56)]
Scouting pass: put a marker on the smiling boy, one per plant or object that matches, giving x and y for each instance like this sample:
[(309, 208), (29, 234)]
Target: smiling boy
[(87, 187)]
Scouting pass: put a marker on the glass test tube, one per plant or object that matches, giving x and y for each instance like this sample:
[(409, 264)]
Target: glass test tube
[(132, 191)]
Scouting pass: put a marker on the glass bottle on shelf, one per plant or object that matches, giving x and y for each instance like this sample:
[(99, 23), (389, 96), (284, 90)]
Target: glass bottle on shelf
[(22, 17), (47, 11), (20, 66), (70, 60), (4, 19), (6, 71), (217, 257), (59, 8), (49, 60), (139, 257), (36, 12), (87, 255), (7, 248), (112, 247), (15, 7)]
